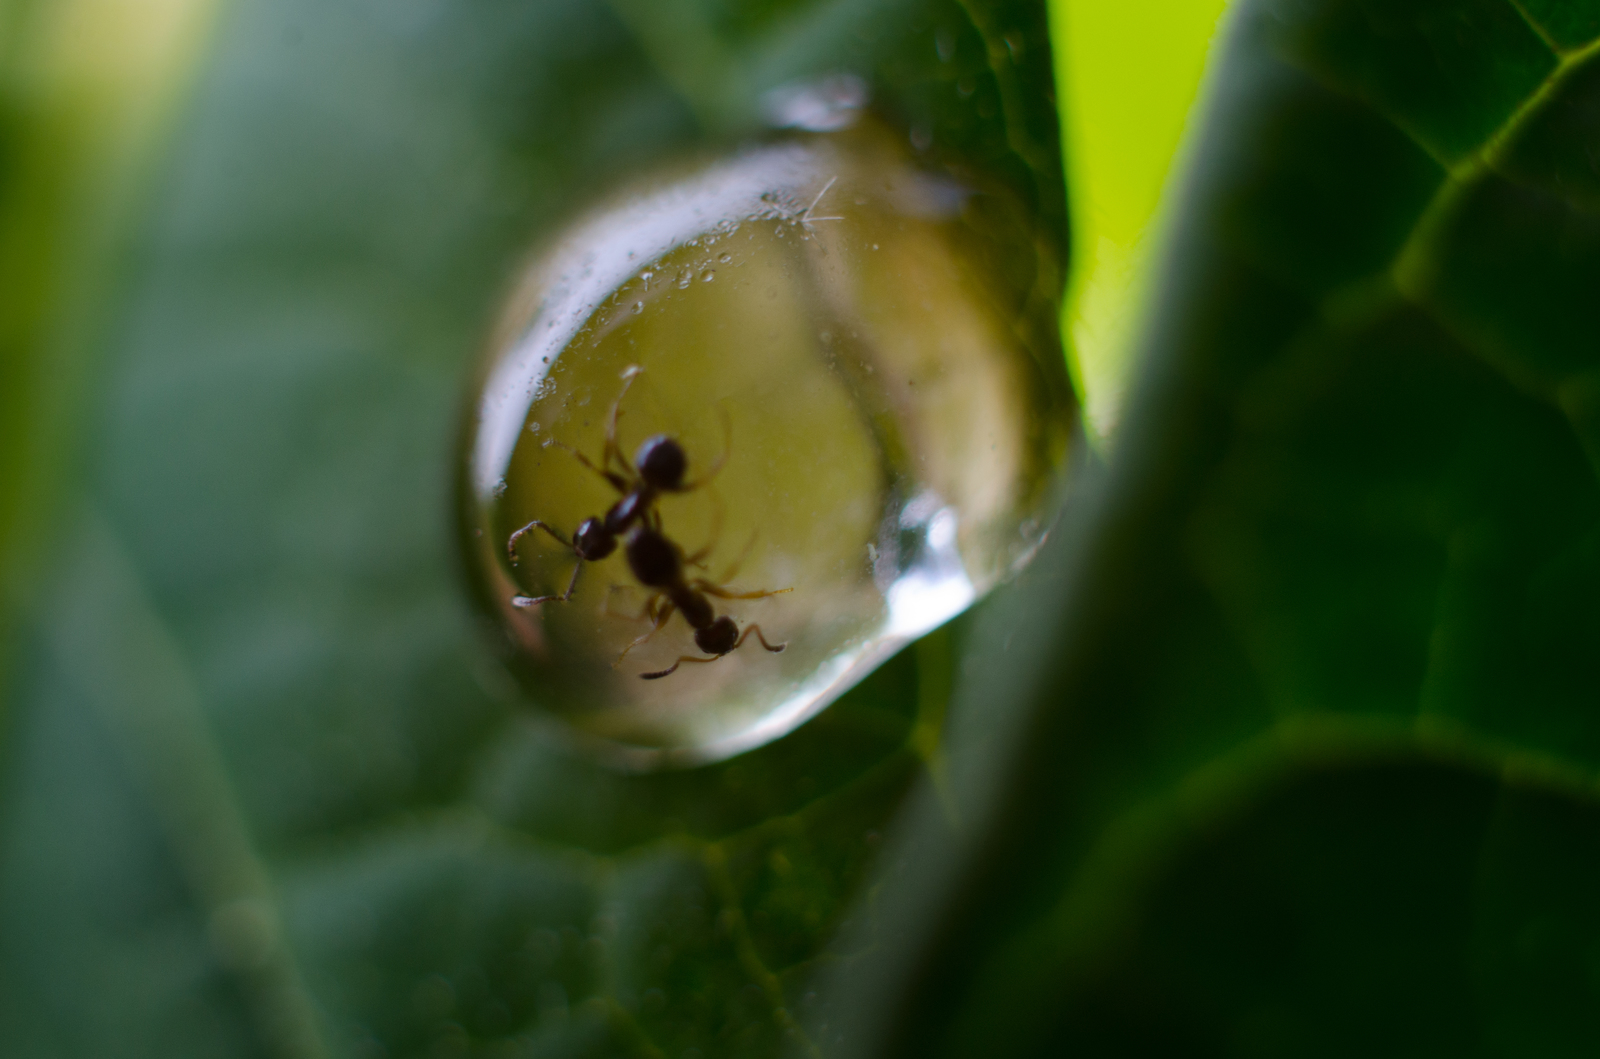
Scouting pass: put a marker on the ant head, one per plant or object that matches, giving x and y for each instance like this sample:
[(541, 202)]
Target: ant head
[(593, 541), (719, 637), (653, 559), (662, 463)]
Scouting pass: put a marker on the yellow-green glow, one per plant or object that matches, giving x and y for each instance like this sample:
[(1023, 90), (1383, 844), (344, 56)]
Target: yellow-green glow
[(90, 86), (1128, 74)]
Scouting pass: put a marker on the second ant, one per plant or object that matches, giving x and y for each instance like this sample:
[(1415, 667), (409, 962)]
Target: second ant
[(657, 562)]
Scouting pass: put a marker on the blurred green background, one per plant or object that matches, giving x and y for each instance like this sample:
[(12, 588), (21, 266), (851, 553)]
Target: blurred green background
[(1286, 745)]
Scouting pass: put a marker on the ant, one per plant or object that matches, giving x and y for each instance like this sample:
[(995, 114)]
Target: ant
[(658, 563), (658, 467)]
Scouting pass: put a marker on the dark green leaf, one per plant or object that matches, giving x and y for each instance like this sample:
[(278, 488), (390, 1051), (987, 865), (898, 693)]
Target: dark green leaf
[(1312, 769)]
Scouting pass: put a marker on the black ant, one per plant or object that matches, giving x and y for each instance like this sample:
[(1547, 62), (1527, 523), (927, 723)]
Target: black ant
[(658, 467), (658, 563)]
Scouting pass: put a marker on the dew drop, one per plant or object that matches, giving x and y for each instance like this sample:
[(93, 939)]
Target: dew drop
[(726, 259), (871, 509), (708, 275)]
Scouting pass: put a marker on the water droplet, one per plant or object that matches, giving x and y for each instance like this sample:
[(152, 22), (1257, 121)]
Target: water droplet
[(708, 275), (875, 508), (726, 259)]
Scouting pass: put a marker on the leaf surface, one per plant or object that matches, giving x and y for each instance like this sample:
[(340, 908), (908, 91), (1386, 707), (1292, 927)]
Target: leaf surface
[(1289, 746), (264, 792)]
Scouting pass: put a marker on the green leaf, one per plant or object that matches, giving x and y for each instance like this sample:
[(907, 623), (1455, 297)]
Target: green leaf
[(1289, 745), (1129, 74), (265, 792), (87, 88)]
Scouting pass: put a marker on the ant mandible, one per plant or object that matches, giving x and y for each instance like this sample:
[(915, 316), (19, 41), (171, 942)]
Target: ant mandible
[(658, 563), (659, 466)]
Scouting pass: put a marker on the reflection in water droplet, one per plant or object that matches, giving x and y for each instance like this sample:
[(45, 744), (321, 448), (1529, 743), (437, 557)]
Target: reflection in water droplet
[(827, 104), (874, 435)]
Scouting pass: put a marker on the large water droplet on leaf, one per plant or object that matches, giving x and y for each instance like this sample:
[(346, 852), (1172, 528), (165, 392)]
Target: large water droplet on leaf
[(871, 377)]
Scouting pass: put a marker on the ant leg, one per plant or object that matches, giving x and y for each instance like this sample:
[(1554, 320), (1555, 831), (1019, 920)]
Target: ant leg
[(613, 451), (722, 593), (643, 615), (533, 601), (774, 648), (727, 450), (673, 668), (616, 481), (660, 615), (511, 542), (698, 558), (744, 553), (757, 630)]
